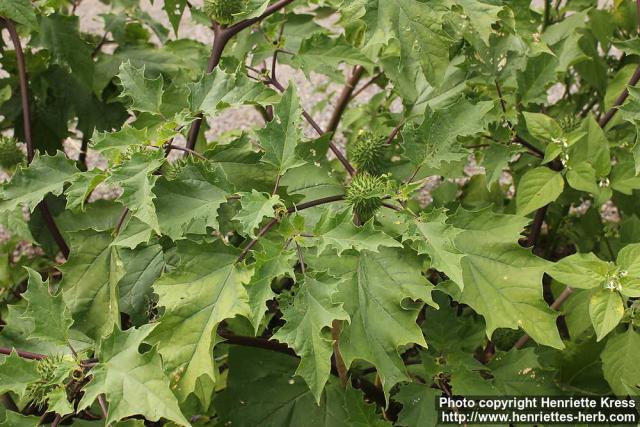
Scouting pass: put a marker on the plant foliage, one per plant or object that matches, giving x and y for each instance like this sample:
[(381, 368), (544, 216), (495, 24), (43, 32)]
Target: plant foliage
[(455, 209)]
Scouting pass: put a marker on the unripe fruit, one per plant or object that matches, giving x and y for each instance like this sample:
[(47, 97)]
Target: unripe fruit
[(222, 11), (365, 194), (10, 154), (38, 390), (368, 153)]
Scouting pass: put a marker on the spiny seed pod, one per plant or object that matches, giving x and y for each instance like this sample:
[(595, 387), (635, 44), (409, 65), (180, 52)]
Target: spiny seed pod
[(504, 338), (47, 367), (368, 153), (10, 154), (37, 391), (222, 11), (365, 194)]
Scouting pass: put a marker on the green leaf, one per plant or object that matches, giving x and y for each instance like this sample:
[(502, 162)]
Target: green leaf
[(337, 231), (606, 310), (189, 202), (271, 262), (448, 333), (563, 29), (305, 331), (205, 288), (629, 258), (435, 140), (58, 402), (263, 391), (424, 44), (496, 269), (19, 11), (538, 75), (582, 177), (60, 35), (81, 188), (630, 109), (360, 413), (381, 318), (320, 53), (481, 16), (280, 137), (629, 270), (49, 314), (218, 90), (133, 383), (255, 207), (174, 10), (241, 165), (581, 271), (537, 188), (418, 405), (16, 419), (115, 144), (435, 237), (592, 148), (17, 373), (624, 179), (29, 185), (145, 94), (620, 362), (542, 127), (515, 371), (16, 333), (312, 182), (142, 268), (89, 282), (519, 371), (496, 159), (565, 40), (132, 233), (137, 181)]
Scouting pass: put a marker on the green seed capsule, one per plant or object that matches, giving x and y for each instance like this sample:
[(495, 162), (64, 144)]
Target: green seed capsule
[(37, 391), (365, 194), (223, 11), (368, 153)]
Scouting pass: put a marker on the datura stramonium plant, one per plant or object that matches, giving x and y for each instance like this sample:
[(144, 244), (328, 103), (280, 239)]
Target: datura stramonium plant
[(315, 212)]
